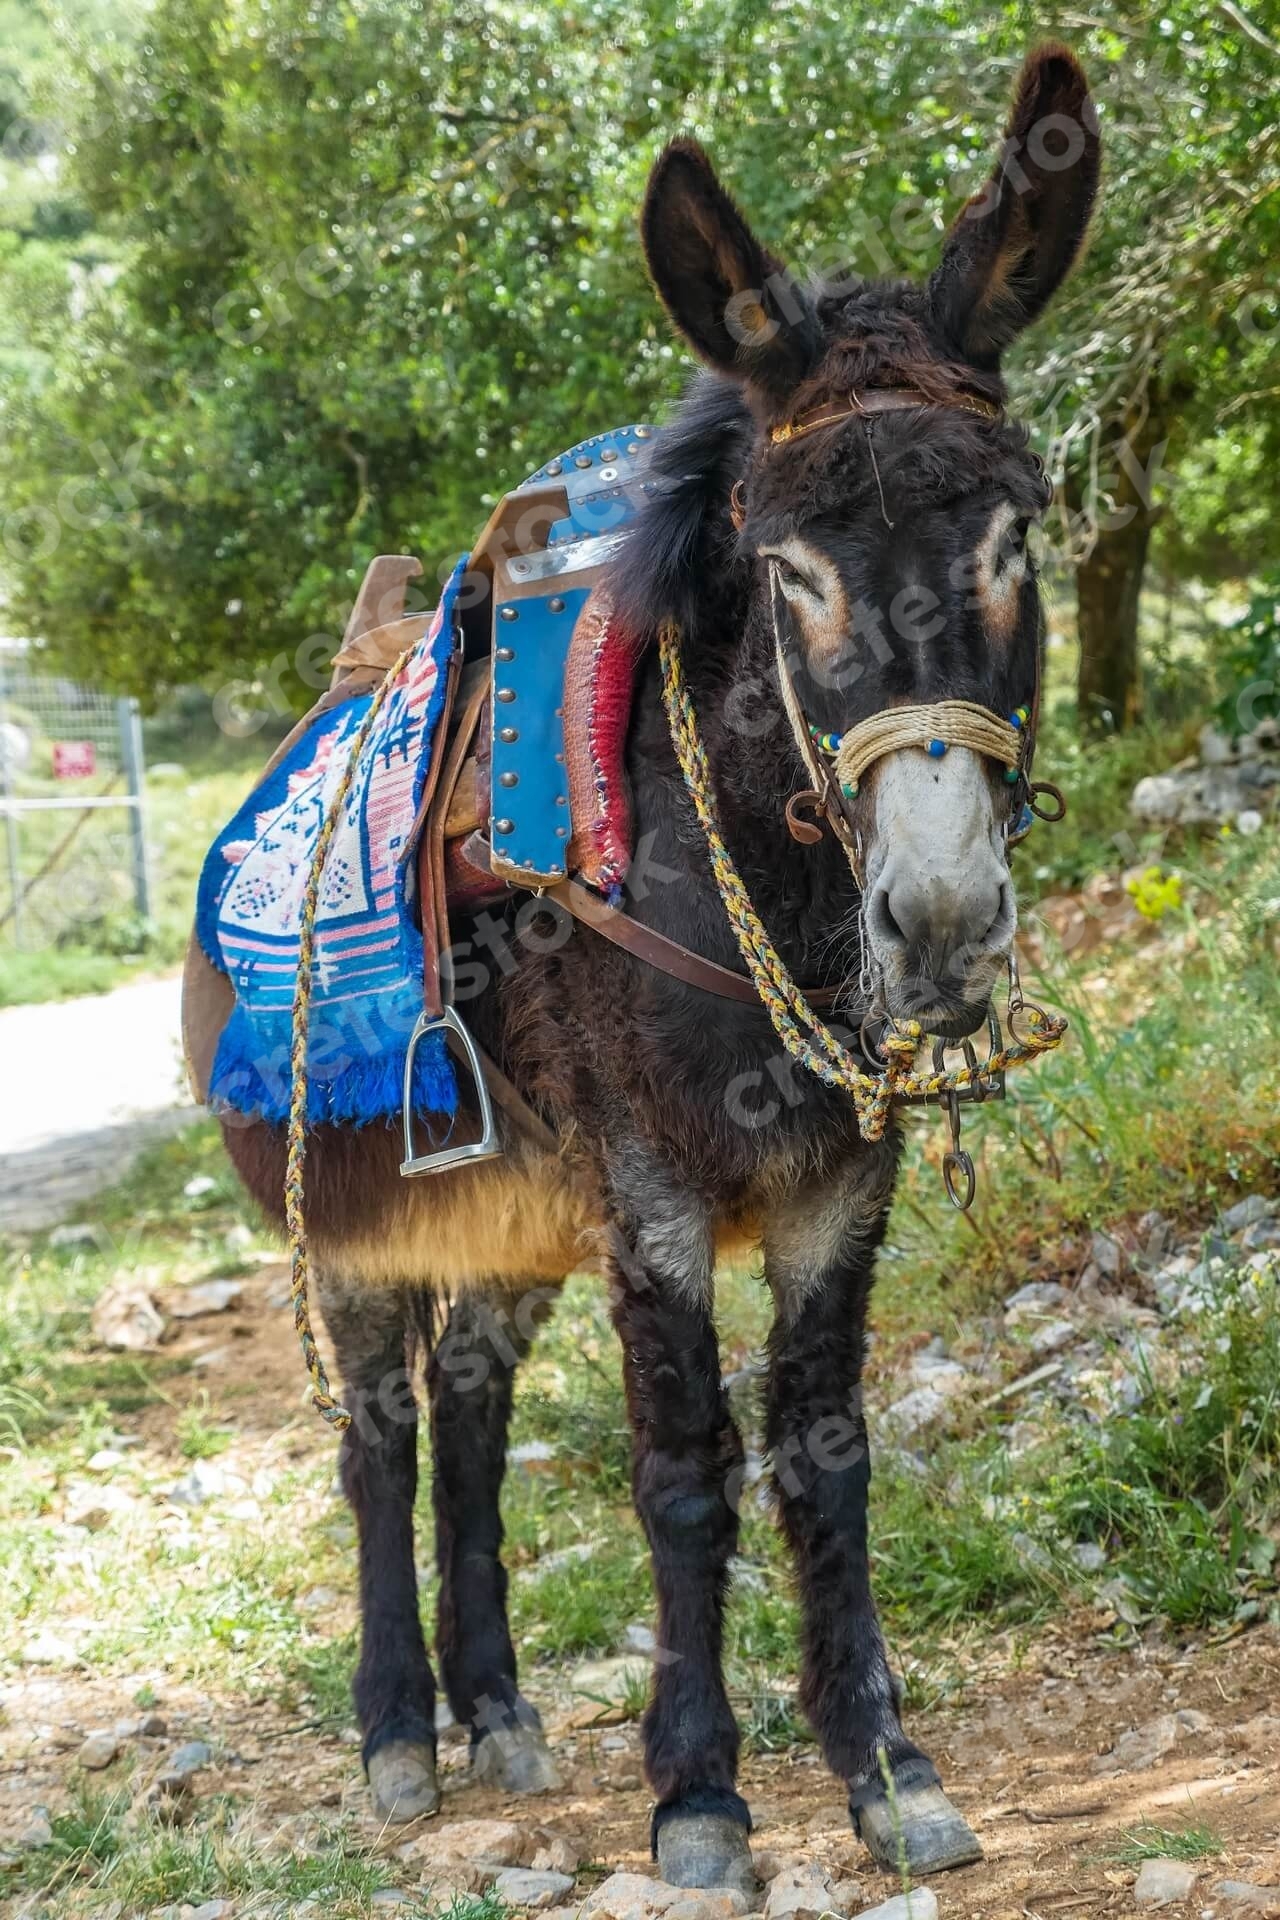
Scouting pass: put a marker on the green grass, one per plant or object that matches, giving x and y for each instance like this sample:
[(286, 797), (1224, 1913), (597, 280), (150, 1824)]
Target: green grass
[(1149, 1841), (103, 1859)]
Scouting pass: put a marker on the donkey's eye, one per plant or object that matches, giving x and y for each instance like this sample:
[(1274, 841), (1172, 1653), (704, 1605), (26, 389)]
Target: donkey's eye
[(1013, 542), (789, 576)]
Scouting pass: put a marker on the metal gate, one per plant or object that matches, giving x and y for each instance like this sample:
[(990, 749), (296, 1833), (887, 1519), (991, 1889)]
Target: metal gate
[(73, 860)]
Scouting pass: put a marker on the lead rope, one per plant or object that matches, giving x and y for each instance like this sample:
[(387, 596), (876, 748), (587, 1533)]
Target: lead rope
[(294, 1192), (801, 1032)]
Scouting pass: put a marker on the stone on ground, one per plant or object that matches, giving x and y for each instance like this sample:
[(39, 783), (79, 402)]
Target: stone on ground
[(522, 1887), (1162, 1883), (806, 1892), (1243, 1897), (919, 1904), (554, 1854), (476, 1843), (98, 1751), (631, 1896)]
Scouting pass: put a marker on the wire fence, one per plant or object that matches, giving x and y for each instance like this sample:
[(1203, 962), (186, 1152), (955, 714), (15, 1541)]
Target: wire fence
[(73, 855)]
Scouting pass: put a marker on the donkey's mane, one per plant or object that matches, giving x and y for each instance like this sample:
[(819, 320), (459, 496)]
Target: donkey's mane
[(684, 530)]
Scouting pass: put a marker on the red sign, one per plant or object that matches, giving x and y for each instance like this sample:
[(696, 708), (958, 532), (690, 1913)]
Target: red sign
[(74, 759)]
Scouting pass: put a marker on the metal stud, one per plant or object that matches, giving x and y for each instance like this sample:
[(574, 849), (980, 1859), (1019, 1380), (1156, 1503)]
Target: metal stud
[(506, 694), (561, 800), (642, 433), (562, 833), (556, 605), (508, 779), (608, 453), (583, 460), (608, 473), (507, 613), (504, 826), (504, 653), (554, 467), (633, 447), (509, 735)]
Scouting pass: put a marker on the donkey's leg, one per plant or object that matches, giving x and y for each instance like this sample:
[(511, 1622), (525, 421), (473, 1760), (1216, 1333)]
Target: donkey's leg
[(686, 1456), (819, 1254), (470, 1380), (395, 1694)]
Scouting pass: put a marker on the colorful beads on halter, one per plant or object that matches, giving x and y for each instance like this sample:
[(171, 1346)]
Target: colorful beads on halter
[(936, 749), (1019, 718), (829, 742)]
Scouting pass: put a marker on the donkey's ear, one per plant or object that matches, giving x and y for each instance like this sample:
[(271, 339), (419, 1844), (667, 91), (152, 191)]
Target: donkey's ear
[(736, 305), (1014, 242)]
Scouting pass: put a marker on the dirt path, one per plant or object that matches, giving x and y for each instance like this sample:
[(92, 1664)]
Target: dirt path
[(1055, 1747), (86, 1083)]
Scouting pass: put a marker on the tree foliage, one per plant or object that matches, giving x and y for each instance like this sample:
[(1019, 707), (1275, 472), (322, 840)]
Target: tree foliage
[(365, 263)]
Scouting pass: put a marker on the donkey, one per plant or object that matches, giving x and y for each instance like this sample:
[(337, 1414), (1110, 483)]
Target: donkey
[(891, 542)]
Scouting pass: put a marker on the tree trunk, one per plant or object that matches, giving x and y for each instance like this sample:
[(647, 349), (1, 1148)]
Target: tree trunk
[(1109, 579)]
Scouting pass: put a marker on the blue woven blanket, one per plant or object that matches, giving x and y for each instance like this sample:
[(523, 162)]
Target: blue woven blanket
[(367, 990)]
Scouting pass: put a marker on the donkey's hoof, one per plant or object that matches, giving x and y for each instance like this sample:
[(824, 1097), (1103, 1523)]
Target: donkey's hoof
[(402, 1778), (706, 1850), (517, 1759), (918, 1829)]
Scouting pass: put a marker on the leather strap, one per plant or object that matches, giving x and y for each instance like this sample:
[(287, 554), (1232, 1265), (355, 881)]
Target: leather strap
[(449, 751), (830, 413), (668, 956)]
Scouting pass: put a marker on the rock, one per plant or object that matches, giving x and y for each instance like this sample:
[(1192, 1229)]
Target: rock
[(47, 1650), (631, 1896), (170, 1798), (98, 1751), (711, 1903), (189, 1758), (522, 1887), (1034, 1301), (1243, 1897), (1161, 1883), (768, 1864), (639, 1639), (81, 1235), (1107, 1255), (211, 1296), (945, 1376), (318, 1600), (484, 1843), (1141, 1747), (215, 1910), (914, 1412), (803, 1893), (126, 1319), (1261, 1237), (919, 1904), (556, 1855), (38, 1831), (206, 1481), (609, 1690), (535, 1456), (1204, 796), (1052, 1339), (392, 1897), (197, 1187), (1089, 1556), (1249, 1212), (153, 1726)]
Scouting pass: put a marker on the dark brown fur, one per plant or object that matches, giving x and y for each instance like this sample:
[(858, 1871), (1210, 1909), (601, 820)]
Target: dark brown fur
[(681, 1118)]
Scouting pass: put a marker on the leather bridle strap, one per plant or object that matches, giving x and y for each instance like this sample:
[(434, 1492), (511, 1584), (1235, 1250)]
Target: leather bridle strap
[(871, 400), (668, 956)]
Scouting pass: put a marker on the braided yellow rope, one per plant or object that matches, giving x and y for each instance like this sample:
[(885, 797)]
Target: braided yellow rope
[(804, 1036), (951, 723), (295, 1218)]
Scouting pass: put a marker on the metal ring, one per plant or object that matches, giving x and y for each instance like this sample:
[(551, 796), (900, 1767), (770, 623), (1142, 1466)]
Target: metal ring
[(1027, 1009), (957, 1162), (1054, 793)]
